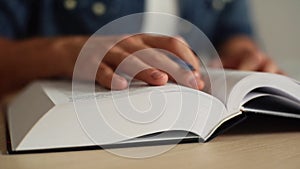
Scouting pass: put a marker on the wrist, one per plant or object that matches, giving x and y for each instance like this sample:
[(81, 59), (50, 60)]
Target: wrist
[(237, 45)]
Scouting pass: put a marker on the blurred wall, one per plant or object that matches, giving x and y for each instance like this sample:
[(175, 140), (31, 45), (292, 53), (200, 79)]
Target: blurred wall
[(278, 26)]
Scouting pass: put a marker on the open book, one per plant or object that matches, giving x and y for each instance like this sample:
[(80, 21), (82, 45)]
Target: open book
[(47, 116)]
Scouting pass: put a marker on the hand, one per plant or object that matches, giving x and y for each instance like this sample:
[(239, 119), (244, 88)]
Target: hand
[(131, 55), (22, 61), (241, 53)]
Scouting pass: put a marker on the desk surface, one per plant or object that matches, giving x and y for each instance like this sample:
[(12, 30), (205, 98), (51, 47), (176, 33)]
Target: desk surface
[(249, 145)]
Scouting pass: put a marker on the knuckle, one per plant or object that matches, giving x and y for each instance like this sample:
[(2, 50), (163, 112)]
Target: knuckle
[(174, 42), (130, 58), (258, 58), (181, 39), (130, 40), (102, 69), (154, 59)]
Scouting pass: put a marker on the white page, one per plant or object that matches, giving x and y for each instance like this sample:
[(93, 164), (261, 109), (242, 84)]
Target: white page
[(222, 82), (58, 127), (240, 84)]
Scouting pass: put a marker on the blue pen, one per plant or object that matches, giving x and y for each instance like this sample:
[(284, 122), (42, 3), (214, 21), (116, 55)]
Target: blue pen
[(182, 63)]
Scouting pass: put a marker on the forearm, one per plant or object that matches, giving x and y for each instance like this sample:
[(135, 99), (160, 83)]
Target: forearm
[(25, 61)]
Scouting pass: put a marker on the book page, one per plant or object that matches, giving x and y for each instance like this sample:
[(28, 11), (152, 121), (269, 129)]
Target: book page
[(273, 105), (150, 109), (240, 87), (220, 83), (60, 92), (258, 84)]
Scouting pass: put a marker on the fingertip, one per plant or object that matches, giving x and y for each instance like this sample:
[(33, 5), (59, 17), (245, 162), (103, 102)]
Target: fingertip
[(118, 83), (153, 76), (200, 83), (281, 72), (196, 83), (158, 77)]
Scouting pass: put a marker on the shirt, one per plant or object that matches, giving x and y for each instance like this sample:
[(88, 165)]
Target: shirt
[(19, 19)]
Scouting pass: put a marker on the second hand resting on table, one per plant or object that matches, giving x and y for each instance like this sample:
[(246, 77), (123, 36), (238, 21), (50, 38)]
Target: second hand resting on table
[(56, 57)]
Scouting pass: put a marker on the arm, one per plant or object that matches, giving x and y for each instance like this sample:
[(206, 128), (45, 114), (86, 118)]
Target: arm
[(27, 60), (235, 40), (24, 58), (242, 53)]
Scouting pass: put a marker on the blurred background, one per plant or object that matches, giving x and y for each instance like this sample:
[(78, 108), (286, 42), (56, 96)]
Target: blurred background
[(278, 26)]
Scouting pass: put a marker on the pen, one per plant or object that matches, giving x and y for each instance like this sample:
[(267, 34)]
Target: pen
[(182, 63)]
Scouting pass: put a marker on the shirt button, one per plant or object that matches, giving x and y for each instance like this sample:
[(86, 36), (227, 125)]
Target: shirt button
[(70, 4), (218, 5), (98, 8)]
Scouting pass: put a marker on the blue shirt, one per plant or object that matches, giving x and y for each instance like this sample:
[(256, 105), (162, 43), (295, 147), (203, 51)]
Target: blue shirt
[(19, 19)]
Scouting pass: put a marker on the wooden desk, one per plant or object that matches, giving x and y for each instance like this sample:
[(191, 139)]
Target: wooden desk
[(250, 145)]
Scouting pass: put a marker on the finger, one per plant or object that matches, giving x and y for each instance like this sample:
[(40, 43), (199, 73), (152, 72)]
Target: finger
[(156, 58), (174, 45), (153, 57), (108, 79), (269, 66), (153, 76), (281, 72), (216, 63), (176, 72), (252, 61), (196, 80), (131, 65)]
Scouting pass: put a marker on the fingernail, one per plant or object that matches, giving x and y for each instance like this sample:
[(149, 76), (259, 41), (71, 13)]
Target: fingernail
[(118, 83), (157, 75), (193, 83), (196, 83)]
